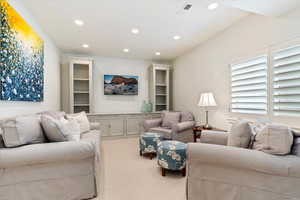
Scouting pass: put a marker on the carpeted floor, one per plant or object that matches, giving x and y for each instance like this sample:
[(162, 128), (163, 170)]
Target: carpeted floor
[(128, 176)]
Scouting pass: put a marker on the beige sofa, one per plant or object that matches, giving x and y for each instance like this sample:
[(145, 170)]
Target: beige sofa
[(52, 171), (218, 172)]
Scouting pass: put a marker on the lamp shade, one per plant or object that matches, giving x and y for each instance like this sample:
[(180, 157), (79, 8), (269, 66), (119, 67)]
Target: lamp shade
[(207, 100)]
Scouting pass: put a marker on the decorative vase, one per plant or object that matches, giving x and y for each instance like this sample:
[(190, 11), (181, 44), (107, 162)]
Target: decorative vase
[(149, 107), (144, 107)]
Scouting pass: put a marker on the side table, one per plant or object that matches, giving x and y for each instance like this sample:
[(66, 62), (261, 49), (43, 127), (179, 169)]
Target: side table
[(198, 130)]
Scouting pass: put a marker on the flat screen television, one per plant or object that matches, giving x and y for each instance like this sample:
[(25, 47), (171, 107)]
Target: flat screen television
[(121, 85)]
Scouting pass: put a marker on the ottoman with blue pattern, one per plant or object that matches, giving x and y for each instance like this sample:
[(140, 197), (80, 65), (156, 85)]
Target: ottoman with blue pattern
[(148, 143), (171, 155)]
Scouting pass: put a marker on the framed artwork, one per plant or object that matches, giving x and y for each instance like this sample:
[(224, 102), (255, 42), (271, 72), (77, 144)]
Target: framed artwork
[(21, 58), (120, 85)]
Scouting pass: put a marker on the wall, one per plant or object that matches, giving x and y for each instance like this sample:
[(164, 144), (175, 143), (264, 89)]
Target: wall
[(52, 74), (206, 68), (118, 66)]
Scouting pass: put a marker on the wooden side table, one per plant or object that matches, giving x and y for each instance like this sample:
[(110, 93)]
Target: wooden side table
[(198, 130)]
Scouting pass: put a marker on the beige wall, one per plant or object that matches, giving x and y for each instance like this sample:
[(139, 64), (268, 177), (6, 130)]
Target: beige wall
[(51, 75), (206, 68)]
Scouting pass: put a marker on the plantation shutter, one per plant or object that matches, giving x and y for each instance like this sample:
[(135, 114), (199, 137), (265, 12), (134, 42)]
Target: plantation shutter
[(286, 82), (249, 86)]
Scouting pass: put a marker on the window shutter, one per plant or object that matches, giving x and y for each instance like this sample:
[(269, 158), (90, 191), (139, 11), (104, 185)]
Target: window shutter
[(286, 82), (249, 86)]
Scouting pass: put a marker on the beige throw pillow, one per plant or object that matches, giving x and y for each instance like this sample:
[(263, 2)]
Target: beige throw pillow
[(274, 139), (240, 134), (60, 130), (82, 119), (22, 130), (170, 118)]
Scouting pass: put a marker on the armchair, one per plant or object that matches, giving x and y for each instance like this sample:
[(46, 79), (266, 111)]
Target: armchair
[(180, 131)]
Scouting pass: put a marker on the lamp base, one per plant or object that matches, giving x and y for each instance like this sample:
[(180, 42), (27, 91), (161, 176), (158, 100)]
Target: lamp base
[(207, 126)]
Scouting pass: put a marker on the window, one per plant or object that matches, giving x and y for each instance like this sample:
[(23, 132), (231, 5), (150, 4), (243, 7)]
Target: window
[(249, 86), (286, 82)]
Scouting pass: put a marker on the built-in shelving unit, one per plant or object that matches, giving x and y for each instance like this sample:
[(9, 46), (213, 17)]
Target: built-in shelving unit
[(159, 87), (77, 80)]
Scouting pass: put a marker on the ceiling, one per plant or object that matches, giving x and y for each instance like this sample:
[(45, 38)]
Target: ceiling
[(108, 23)]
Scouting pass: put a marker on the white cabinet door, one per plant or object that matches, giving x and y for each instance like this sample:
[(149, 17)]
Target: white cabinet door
[(117, 127), (104, 127), (134, 125)]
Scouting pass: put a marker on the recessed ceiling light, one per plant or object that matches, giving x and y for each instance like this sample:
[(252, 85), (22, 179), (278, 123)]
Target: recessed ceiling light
[(78, 22), (157, 53), (176, 37), (135, 31), (85, 46), (126, 50), (213, 6)]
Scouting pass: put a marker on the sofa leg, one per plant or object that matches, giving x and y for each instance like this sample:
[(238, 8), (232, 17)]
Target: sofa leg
[(163, 171), (183, 172)]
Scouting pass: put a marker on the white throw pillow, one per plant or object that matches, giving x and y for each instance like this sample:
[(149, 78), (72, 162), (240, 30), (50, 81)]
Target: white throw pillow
[(240, 134), (274, 139), (22, 130), (82, 119), (60, 130)]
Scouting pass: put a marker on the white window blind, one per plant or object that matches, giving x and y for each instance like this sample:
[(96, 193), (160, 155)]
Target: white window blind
[(286, 82), (249, 86)]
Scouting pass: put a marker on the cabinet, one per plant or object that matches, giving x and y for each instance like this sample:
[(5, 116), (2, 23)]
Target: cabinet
[(77, 83), (159, 87), (128, 124)]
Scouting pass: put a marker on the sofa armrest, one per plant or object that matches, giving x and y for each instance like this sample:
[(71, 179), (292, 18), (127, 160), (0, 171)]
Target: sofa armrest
[(95, 125), (183, 126), (151, 123), (214, 137), (238, 158)]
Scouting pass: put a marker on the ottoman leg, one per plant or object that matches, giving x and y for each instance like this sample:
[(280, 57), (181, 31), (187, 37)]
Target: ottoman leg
[(141, 153), (183, 172), (163, 171)]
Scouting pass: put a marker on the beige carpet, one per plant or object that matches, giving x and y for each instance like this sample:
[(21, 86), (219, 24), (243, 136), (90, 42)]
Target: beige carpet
[(128, 176)]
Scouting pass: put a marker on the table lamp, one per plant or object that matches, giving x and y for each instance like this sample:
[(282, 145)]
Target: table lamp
[(207, 100)]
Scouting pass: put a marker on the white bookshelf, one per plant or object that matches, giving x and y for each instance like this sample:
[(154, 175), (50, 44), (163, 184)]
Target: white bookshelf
[(159, 87), (77, 83)]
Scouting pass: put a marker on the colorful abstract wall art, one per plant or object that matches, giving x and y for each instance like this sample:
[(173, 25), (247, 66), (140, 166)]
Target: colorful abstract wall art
[(21, 58)]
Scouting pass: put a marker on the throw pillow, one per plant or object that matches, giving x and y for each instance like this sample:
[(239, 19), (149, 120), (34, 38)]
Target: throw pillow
[(240, 134), (54, 114), (187, 116), (60, 130), (22, 130), (170, 118), (82, 119), (274, 139)]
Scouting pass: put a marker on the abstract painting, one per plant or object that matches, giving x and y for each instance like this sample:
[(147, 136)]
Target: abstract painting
[(21, 58), (120, 85)]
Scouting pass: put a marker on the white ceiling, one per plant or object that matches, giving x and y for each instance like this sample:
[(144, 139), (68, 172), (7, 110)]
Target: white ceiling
[(108, 25)]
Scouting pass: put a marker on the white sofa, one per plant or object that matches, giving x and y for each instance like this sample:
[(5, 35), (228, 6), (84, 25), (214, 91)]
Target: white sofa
[(52, 171), (219, 172)]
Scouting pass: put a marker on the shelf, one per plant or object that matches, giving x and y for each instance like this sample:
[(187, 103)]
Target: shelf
[(161, 94), (81, 92), (81, 79), (161, 85), (81, 105), (161, 104)]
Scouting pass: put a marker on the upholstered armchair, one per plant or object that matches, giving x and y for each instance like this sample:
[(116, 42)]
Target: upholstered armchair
[(173, 126)]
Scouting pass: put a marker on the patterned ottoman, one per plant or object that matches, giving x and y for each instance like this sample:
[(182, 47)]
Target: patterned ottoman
[(171, 155), (148, 143)]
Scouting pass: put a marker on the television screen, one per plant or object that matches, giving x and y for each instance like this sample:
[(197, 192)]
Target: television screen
[(120, 85)]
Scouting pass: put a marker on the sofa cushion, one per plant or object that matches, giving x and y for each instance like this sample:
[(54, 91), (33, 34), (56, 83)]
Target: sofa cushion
[(60, 130), (22, 130), (166, 132), (170, 118), (82, 119), (187, 116), (274, 139), (54, 114), (240, 134), (45, 153)]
